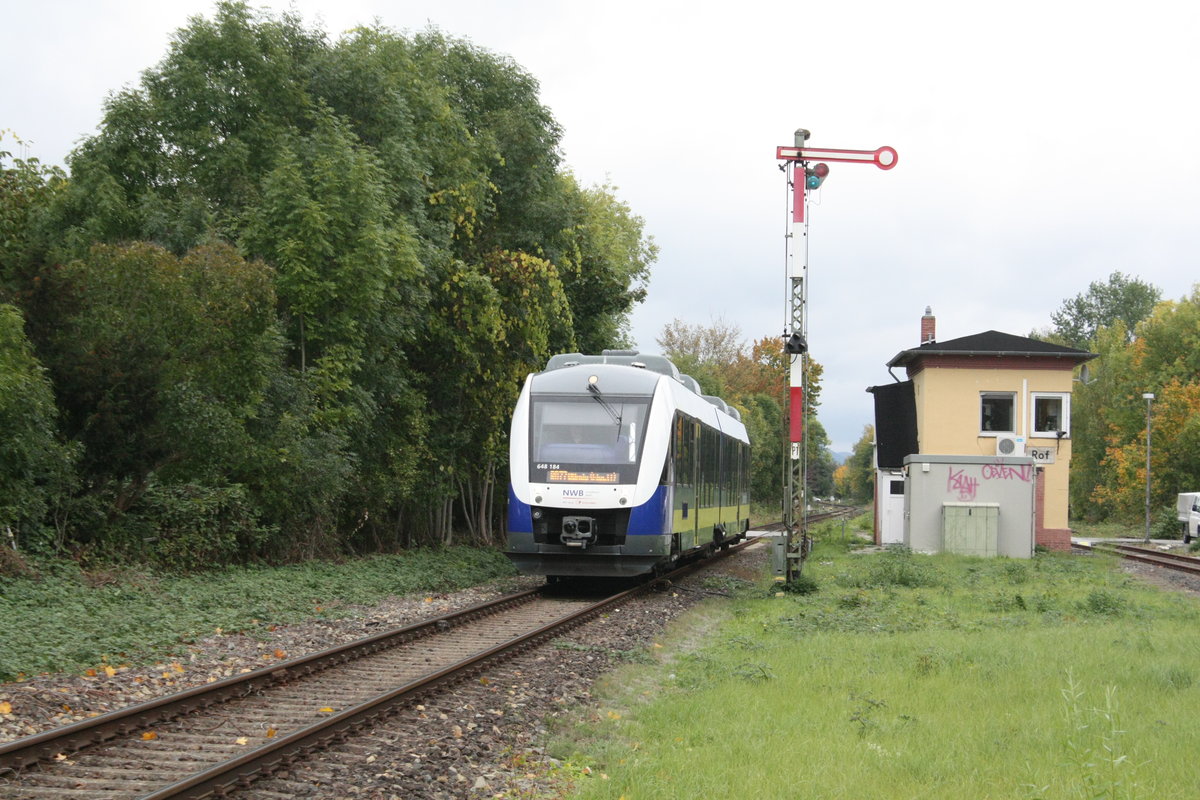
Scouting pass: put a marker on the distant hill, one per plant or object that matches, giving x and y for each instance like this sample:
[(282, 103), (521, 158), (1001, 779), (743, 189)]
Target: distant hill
[(839, 458)]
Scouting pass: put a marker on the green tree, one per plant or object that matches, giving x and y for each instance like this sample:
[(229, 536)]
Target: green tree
[(1162, 359), (695, 347), (1122, 299), (36, 467), (161, 363), (1094, 406), (490, 326), (860, 469), (424, 249), (343, 260), (515, 136), (763, 417), (180, 157), (755, 382), (28, 192), (820, 460), (604, 262)]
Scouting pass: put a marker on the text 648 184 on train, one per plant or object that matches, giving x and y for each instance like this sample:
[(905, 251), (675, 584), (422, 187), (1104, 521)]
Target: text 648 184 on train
[(619, 466)]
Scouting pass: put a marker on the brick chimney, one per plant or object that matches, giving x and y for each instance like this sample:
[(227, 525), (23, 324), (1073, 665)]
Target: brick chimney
[(928, 327)]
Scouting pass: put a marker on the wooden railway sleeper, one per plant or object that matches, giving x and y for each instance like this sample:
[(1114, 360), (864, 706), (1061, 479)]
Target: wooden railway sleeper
[(345, 726)]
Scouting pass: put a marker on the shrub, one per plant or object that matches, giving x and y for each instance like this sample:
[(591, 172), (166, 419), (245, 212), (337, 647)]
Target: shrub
[(36, 469), (802, 584), (901, 568), (1101, 602), (187, 526)]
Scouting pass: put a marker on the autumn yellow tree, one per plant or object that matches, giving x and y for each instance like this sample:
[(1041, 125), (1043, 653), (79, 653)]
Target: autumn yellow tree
[(1164, 359), (755, 381)]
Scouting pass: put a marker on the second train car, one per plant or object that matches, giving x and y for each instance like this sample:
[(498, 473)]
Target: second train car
[(619, 466)]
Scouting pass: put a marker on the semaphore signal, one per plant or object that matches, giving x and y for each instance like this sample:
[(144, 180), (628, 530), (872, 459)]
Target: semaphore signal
[(803, 177)]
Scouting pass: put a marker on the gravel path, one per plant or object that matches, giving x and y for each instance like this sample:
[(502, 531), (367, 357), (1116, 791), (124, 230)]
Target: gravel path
[(478, 740), (1172, 580)]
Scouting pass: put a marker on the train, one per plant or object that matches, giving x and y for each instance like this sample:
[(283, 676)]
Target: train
[(620, 467)]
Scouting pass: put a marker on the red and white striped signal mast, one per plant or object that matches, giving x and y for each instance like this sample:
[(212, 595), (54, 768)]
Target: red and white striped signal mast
[(803, 177)]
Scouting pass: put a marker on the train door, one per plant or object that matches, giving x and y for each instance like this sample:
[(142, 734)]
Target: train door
[(688, 540), (744, 488), (734, 454), (732, 488), (724, 495), (685, 446)]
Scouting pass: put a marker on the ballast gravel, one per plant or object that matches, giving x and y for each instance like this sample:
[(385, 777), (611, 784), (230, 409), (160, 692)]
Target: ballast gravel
[(1169, 579), (478, 739)]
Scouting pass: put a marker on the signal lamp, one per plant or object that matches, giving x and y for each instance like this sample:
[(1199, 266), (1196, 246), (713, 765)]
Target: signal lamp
[(815, 175)]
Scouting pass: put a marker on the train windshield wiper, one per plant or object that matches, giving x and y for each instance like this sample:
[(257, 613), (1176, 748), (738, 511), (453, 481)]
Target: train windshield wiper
[(612, 412)]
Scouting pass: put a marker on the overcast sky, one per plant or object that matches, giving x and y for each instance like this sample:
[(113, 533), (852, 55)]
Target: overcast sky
[(1042, 145)]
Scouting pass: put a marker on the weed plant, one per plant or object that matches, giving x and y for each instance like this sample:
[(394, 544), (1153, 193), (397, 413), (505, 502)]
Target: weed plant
[(906, 676), (63, 619)]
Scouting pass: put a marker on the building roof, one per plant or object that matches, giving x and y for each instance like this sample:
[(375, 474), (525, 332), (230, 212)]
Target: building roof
[(991, 343)]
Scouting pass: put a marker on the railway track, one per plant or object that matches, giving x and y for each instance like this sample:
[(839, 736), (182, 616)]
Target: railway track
[(1148, 555), (819, 516), (215, 739)]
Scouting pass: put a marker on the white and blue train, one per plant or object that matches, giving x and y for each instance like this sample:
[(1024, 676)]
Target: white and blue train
[(619, 466)]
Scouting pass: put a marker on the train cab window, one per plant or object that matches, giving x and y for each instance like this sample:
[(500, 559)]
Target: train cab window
[(581, 436)]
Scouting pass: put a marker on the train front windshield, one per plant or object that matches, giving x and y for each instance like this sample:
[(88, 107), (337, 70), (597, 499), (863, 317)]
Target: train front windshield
[(592, 439)]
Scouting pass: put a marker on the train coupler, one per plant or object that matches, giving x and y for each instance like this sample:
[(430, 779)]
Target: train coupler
[(578, 531)]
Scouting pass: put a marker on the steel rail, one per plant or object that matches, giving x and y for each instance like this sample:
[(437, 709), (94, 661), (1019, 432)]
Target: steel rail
[(233, 773), (224, 777), (86, 733), (821, 516), (1176, 561)]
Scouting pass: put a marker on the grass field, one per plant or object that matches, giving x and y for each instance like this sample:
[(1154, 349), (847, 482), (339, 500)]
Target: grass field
[(907, 676)]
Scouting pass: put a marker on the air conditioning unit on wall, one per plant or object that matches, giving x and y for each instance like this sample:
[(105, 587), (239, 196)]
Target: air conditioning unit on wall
[(1010, 445)]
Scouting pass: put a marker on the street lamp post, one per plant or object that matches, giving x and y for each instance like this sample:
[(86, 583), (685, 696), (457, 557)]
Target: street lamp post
[(1149, 398)]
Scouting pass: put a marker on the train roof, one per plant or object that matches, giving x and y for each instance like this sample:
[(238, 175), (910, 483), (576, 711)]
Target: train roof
[(652, 363), (625, 358)]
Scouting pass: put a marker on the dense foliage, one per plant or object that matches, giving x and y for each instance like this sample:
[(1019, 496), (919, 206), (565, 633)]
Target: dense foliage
[(855, 479), (1122, 299), (35, 466), (1109, 417), (74, 620), (1143, 347), (287, 294)]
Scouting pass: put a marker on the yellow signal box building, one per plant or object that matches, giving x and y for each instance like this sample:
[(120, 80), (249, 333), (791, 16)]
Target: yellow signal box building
[(992, 395)]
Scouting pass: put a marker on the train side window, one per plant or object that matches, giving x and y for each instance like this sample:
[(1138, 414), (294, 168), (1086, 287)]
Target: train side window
[(710, 467), (722, 470), (710, 453)]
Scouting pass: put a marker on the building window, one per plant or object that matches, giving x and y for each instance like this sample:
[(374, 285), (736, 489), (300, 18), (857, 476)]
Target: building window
[(997, 412), (1051, 414)]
